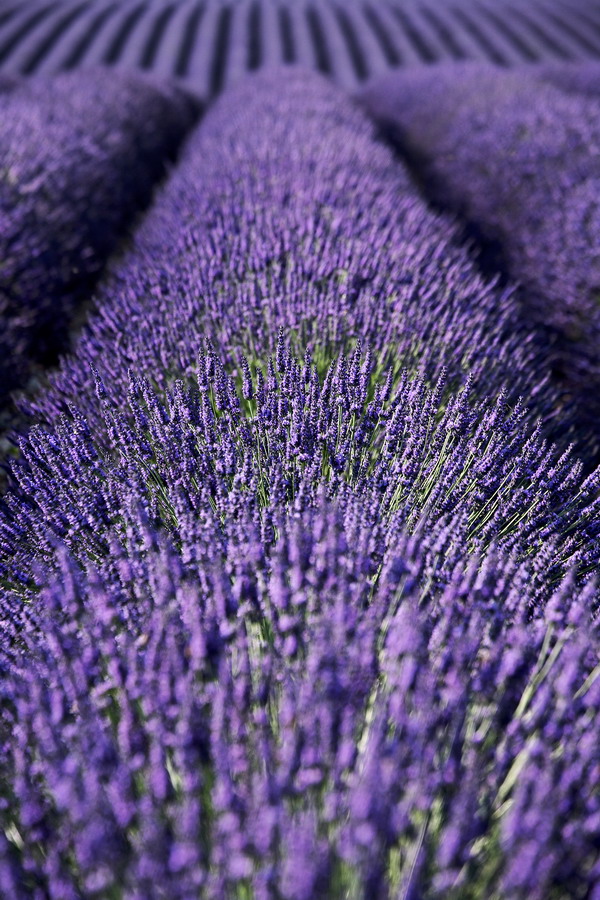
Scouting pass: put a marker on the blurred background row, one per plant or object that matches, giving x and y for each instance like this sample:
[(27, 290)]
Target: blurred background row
[(209, 44)]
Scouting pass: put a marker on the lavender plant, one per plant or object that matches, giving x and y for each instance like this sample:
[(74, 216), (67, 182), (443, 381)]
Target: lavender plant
[(313, 614), (303, 716), (517, 157), (81, 153), (268, 644)]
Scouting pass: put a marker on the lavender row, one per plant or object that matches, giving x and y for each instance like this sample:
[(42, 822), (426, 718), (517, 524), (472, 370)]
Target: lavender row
[(292, 637), (517, 157), (81, 154), (582, 78), (287, 212), (313, 614)]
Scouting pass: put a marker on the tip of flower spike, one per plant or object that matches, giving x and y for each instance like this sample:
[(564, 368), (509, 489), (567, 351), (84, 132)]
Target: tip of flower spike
[(280, 355), (100, 389), (247, 387)]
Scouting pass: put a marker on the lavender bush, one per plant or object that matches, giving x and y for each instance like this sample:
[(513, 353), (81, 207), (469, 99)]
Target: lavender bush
[(191, 743), (80, 156), (281, 639), (517, 156), (297, 600)]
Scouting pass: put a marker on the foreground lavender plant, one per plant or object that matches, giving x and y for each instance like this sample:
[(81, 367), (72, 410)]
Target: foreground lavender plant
[(303, 716), (271, 647), (290, 619), (287, 212), (517, 156), (80, 156)]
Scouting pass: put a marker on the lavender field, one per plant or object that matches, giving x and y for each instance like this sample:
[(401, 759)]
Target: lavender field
[(300, 529)]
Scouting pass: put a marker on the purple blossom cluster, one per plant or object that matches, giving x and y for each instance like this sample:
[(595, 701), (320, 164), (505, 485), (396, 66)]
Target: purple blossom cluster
[(293, 637), (81, 153), (297, 599), (296, 714), (518, 157)]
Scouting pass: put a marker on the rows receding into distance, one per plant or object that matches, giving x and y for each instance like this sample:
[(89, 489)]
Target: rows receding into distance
[(210, 43)]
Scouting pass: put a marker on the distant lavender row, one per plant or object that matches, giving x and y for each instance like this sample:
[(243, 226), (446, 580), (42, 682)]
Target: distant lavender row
[(286, 212), (519, 158), (80, 156), (581, 78), (281, 639)]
